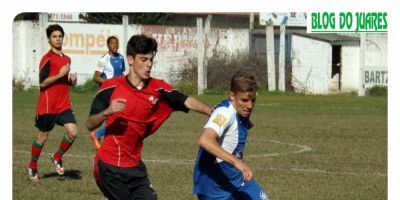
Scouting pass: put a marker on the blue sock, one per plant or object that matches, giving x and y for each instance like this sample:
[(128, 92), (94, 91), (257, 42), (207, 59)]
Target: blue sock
[(101, 132)]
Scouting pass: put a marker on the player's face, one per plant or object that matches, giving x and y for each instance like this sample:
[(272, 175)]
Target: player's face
[(56, 40), (141, 64), (243, 102), (113, 46)]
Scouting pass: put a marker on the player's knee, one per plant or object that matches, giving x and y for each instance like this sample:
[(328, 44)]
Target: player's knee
[(72, 134)]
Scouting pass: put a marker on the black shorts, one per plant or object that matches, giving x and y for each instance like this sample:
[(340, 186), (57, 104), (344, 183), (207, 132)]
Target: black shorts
[(123, 183), (47, 122)]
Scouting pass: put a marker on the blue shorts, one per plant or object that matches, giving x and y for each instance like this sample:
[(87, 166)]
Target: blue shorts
[(248, 191)]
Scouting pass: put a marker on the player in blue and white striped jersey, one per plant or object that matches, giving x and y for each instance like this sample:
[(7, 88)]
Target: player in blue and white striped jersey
[(220, 172), (110, 65)]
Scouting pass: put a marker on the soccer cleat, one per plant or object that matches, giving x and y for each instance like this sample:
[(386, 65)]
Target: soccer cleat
[(58, 164), (95, 140), (33, 174)]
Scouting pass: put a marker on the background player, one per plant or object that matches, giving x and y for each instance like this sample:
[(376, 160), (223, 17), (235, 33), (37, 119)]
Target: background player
[(110, 65), (54, 104)]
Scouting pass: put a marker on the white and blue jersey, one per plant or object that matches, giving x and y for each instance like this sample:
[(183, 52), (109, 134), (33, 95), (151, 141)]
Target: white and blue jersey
[(214, 178), (111, 66)]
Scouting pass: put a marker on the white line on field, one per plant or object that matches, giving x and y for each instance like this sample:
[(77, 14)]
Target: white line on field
[(302, 149), (191, 162)]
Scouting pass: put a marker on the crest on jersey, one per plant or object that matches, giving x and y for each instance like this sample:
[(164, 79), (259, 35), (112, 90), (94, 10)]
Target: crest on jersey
[(153, 100), (219, 120), (100, 64)]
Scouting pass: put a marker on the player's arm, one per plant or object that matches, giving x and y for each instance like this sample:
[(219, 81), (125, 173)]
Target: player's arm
[(101, 108), (72, 79), (181, 102), (45, 80), (198, 106), (208, 140), (97, 77)]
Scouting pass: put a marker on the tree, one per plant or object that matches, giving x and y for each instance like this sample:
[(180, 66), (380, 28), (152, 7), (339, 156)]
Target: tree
[(134, 18), (27, 16)]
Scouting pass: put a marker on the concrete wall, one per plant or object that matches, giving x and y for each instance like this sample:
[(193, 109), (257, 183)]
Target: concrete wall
[(376, 54), (311, 65), (350, 66), (85, 43)]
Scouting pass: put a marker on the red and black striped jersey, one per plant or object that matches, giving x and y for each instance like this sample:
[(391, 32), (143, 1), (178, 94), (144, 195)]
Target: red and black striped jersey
[(54, 98), (145, 111)]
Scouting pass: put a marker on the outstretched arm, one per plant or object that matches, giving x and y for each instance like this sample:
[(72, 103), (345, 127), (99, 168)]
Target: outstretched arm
[(196, 105), (208, 141)]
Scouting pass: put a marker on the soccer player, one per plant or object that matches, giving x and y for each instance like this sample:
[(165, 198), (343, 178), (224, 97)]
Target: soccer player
[(54, 104), (219, 171), (134, 107), (110, 65)]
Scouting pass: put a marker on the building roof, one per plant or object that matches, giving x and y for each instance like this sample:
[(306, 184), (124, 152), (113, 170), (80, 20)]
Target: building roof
[(329, 37)]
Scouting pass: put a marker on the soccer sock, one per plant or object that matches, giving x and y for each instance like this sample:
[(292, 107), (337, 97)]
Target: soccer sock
[(36, 150), (65, 144)]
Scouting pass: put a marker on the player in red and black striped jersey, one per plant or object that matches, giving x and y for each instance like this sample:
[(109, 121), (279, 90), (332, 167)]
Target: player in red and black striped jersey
[(134, 107), (54, 104)]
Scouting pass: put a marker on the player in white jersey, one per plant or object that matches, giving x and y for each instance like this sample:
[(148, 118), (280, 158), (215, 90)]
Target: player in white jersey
[(110, 65), (220, 172)]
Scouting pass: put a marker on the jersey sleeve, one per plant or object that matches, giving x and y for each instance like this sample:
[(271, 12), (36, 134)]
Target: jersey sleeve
[(44, 71), (101, 100), (101, 63), (174, 98), (219, 120)]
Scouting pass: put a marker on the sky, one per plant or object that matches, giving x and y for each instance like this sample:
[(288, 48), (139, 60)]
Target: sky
[(17, 6)]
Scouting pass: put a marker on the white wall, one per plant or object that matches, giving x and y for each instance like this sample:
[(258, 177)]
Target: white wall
[(350, 66), (85, 43), (311, 65), (376, 54)]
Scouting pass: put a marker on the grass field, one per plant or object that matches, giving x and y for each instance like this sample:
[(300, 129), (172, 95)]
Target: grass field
[(302, 147)]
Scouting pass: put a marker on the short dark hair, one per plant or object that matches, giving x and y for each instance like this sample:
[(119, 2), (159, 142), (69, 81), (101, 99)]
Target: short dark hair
[(54, 27), (110, 38), (243, 82), (141, 44)]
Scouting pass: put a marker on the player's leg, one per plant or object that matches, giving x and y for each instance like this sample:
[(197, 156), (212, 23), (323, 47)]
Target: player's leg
[(139, 184), (144, 189), (109, 180), (66, 119), (251, 191), (44, 123), (96, 135)]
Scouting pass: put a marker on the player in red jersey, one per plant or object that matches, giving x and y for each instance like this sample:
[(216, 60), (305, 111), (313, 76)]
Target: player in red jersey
[(54, 104), (134, 107)]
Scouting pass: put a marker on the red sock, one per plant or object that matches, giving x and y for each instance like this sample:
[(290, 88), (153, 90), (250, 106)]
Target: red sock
[(36, 150), (65, 144)]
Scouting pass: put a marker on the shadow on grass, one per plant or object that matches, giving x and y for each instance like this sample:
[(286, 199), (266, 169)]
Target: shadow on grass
[(68, 174)]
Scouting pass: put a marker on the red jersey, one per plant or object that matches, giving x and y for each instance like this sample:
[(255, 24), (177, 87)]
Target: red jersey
[(145, 111), (54, 98)]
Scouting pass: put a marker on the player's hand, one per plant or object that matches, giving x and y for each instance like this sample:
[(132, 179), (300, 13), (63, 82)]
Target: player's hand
[(64, 70), (246, 171), (116, 105), (73, 78)]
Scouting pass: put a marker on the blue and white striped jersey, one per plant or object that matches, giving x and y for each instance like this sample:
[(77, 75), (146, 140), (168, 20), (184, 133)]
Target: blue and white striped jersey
[(213, 176), (111, 66)]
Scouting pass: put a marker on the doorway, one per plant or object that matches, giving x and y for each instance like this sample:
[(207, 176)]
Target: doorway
[(336, 75)]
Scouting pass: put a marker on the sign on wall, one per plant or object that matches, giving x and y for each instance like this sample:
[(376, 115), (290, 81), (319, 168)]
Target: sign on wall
[(298, 19)]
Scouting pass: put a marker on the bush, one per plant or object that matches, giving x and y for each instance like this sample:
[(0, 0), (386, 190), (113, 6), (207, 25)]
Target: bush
[(88, 86), (18, 85), (219, 73), (377, 90)]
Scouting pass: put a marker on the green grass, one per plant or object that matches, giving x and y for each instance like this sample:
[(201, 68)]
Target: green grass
[(302, 147)]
